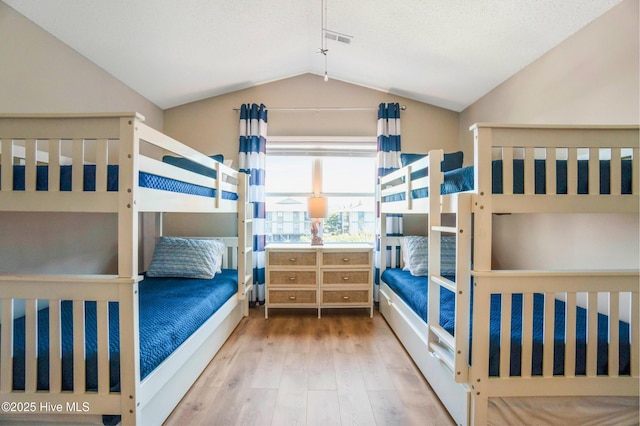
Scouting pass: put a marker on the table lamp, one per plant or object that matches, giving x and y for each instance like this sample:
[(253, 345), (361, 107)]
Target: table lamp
[(317, 208)]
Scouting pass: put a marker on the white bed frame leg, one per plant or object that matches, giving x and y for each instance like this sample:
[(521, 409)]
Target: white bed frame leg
[(129, 344), (128, 267), (479, 409)]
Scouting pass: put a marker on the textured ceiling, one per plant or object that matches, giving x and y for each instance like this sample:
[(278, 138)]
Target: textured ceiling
[(447, 53)]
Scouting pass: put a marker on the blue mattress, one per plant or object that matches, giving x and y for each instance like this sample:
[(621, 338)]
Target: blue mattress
[(170, 310), (414, 292), (460, 180), (146, 180)]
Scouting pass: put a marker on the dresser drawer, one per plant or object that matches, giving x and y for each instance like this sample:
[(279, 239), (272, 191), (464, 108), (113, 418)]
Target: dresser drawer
[(355, 258), (346, 277), (346, 296), (293, 297), (292, 258), (292, 277)]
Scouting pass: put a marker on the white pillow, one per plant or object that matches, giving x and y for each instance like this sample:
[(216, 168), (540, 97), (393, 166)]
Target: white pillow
[(417, 255), (186, 258)]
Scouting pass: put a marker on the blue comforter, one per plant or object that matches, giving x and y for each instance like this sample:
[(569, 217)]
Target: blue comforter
[(170, 310), (146, 180), (414, 292)]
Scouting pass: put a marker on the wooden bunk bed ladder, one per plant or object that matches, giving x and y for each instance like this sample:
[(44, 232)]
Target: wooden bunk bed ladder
[(453, 351)]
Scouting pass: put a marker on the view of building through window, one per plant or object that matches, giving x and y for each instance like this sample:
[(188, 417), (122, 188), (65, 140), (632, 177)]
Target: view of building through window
[(347, 182)]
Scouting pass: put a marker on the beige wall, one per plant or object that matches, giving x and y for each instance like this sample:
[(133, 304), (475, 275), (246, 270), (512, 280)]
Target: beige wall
[(211, 125), (39, 73), (591, 78)]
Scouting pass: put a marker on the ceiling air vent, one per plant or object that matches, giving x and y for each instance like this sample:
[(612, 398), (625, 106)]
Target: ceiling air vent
[(342, 38)]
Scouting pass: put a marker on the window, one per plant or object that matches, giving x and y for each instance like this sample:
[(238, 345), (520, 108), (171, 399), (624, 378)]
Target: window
[(346, 175)]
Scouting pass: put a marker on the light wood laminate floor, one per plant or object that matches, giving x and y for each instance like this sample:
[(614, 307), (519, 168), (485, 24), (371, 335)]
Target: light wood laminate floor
[(296, 369)]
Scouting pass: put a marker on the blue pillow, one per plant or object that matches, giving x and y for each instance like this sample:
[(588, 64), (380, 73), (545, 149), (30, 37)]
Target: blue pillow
[(183, 163), (451, 161), (186, 258)]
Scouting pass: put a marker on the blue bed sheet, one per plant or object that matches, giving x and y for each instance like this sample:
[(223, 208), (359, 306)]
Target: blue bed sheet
[(170, 310), (146, 180), (460, 180), (414, 292)]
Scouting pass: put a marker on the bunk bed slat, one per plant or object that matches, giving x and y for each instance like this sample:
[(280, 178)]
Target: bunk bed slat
[(78, 348), (529, 170), (635, 334), (31, 345), (507, 174), (505, 334), (614, 333), (442, 353), (102, 159), (393, 256), (549, 325), (77, 174), (594, 171), (7, 165), (550, 167), (527, 334), (30, 165), (616, 172), (570, 336), (55, 357), (102, 317), (572, 171), (444, 282), (635, 171), (444, 336), (592, 337), (54, 165), (6, 346)]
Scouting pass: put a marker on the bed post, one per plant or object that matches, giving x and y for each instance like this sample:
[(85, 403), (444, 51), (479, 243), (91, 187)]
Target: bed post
[(482, 203), (245, 242), (479, 370), (128, 148), (382, 257)]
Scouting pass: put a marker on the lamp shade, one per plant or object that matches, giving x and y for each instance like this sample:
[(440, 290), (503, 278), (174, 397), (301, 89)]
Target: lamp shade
[(317, 207)]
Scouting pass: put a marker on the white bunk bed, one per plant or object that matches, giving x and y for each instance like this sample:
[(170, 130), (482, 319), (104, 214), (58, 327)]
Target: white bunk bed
[(100, 141), (458, 367)]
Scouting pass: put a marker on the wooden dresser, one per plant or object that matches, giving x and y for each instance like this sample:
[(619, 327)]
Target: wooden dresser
[(328, 276)]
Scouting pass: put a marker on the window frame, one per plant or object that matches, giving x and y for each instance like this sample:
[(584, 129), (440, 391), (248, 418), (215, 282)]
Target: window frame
[(316, 147)]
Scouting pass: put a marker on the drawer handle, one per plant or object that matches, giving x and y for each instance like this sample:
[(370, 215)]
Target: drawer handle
[(346, 259), (292, 259), (345, 297), (345, 278), (292, 278), (292, 298)]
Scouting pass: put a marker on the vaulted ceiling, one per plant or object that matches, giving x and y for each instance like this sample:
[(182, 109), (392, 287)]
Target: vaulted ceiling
[(447, 53)]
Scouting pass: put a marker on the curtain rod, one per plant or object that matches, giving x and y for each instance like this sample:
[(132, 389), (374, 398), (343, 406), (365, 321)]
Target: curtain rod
[(402, 107)]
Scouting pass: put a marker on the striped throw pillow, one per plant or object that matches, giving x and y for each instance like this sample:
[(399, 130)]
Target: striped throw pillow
[(186, 258)]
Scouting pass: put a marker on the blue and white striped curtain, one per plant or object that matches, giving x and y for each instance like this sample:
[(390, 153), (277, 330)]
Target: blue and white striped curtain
[(388, 159), (251, 159)]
